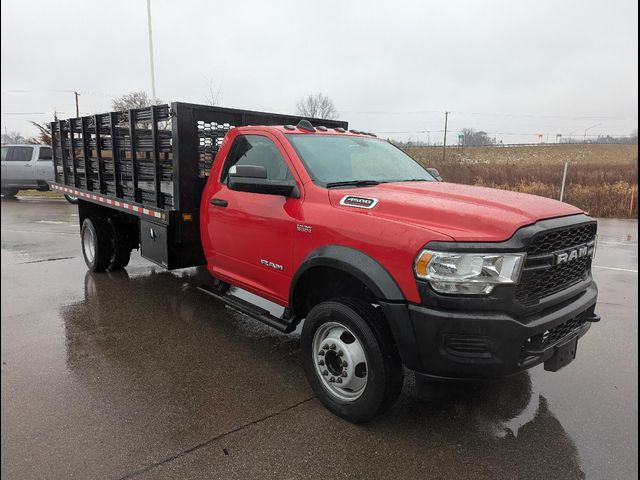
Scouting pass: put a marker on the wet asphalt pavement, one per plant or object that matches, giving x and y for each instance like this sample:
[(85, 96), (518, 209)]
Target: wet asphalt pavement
[(137, 375)]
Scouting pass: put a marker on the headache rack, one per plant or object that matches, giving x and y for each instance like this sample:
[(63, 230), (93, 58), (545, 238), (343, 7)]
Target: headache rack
[(151, 162)]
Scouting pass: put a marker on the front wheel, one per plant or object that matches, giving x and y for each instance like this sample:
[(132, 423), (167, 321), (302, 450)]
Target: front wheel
[(350, 359)]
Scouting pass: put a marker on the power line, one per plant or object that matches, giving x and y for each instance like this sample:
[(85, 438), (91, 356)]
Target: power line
[(83, 92), (495, 133), (378, 112), (572, 117), (4, 92), (419, 112)]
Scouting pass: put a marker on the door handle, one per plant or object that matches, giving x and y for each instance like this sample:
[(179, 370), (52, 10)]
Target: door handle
[(27, 164), (218, 202)]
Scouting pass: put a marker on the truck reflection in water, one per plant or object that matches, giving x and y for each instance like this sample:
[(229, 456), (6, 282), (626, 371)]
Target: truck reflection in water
[(164, 358), (501, 419)]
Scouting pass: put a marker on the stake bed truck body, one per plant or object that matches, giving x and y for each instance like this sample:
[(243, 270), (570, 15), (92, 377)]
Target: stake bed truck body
[(387, 265)]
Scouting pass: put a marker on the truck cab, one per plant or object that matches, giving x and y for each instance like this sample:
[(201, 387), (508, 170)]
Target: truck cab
[(469, 282)]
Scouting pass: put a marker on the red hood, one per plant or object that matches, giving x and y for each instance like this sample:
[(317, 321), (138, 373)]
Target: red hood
[(463, 212)]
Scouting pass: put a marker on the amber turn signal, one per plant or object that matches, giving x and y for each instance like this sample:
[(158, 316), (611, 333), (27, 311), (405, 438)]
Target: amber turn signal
[(422, 264)]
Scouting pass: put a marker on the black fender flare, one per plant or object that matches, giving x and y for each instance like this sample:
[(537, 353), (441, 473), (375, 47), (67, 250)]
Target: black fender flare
[(354, 262)]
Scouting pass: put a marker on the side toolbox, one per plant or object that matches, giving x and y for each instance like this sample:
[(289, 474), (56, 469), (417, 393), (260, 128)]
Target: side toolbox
[(154, 242), (173, 245)]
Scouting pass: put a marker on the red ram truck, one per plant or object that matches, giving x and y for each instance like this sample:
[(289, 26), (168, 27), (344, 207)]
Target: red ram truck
[(388, 266)]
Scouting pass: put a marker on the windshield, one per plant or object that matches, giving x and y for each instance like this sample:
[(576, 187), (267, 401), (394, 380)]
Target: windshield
[(334, 160)]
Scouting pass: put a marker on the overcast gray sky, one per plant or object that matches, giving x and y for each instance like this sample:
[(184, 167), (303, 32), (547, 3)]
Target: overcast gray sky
[(511, 68)]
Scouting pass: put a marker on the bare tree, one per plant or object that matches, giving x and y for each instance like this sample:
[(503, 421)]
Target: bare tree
[(133, 100), (213, 97), (317, 105), (13, 137)]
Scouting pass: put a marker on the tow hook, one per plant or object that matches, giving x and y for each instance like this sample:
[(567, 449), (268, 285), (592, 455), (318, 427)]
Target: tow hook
[(592, 317)]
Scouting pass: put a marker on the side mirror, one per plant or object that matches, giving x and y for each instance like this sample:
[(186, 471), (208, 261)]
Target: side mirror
[(253, 178), (248, 171), (434, 173)]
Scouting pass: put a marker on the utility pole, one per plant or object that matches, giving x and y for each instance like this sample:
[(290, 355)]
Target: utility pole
[(444, 145), (587, 129), (151, 64), (77, 105)]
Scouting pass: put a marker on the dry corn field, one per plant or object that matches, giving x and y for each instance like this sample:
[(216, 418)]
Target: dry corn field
[(601, 179)]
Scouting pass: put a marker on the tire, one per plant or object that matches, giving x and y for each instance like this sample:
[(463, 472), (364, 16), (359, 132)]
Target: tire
[(97, 243), (358, 330), (9, 192), (121, 258), (122, 250), (71, 198)]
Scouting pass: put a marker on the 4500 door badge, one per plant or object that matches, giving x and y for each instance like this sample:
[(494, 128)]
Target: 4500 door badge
[(358, 202), (275, 266)]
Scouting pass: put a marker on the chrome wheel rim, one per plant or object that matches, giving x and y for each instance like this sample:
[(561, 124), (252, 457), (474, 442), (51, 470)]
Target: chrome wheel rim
[(340, 361), (88, 245)]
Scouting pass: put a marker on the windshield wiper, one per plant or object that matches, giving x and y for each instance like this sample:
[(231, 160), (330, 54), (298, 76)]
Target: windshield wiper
[(353, 183)]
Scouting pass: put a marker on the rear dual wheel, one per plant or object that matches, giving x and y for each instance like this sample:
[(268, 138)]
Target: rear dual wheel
[(103, 245)]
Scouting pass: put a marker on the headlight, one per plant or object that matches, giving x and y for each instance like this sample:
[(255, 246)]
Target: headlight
[(468, 273)]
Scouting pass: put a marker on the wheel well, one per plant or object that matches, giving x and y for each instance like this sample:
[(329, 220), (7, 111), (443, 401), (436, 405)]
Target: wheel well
[(319, 284)]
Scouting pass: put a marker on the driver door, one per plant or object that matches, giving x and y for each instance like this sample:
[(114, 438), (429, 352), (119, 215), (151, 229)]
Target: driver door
[(252, 234)]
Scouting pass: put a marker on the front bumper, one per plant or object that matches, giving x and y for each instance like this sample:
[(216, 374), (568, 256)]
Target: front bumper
[(484, 344)]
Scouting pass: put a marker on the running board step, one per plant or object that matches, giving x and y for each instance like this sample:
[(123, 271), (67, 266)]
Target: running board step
[(284, 325)]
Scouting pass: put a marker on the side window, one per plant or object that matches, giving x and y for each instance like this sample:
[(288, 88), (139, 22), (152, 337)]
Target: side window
[(45, 154), (256, 150), (21, 154), (5, 153)]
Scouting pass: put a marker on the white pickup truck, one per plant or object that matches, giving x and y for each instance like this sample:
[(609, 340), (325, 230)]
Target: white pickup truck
[(26, 167)]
